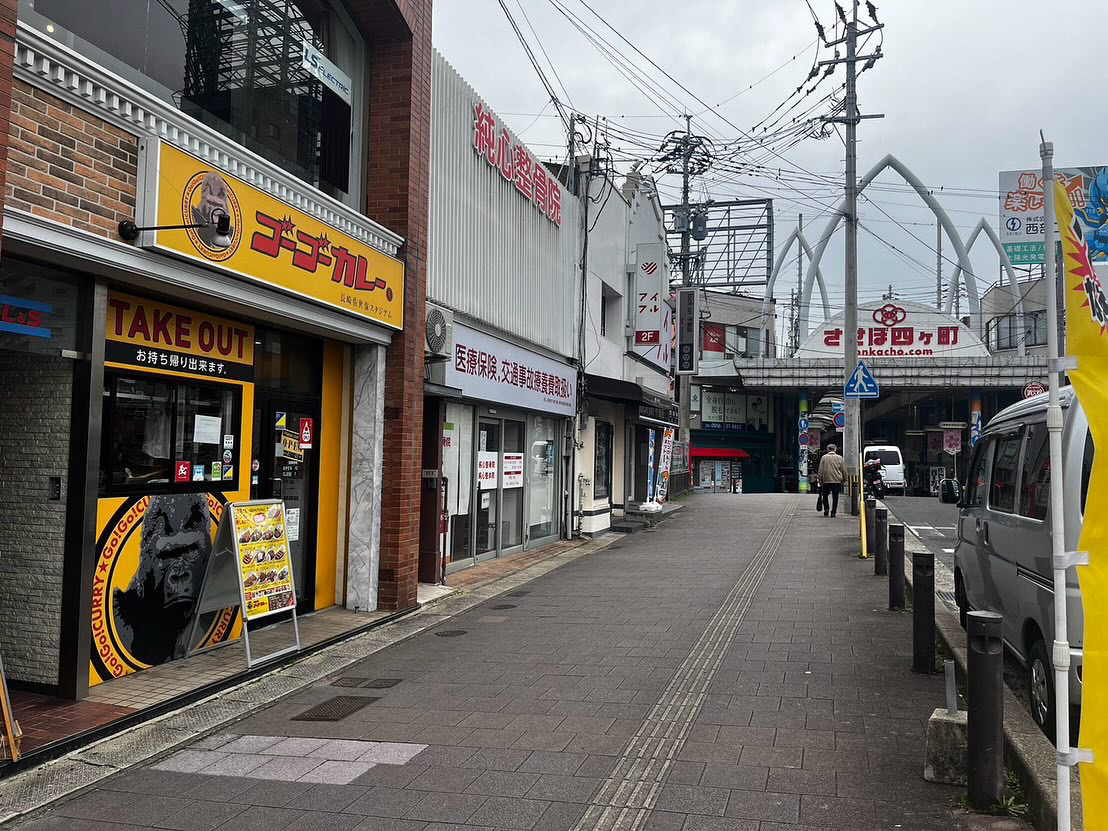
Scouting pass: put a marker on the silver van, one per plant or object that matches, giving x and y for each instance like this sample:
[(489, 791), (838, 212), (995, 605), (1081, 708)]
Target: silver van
[(1002, 562)]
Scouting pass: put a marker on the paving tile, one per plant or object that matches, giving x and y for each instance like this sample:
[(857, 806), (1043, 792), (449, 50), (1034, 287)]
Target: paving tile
[(341, 750), (546, 762), (446, 807), (503, 783), (264, 818), (235, 764), (502, 812), (692, 799), (250, 744), (741, 777), (781, 757), (327, 822), (392, 824), (295, 746), (390, 776), (327, 797), (214, 741), (286, 769), (275, 794), (201, 816), (95, 805), (764, 805), (189, 761), (702, 823), (385, 802), (336, 773), (448, 779)]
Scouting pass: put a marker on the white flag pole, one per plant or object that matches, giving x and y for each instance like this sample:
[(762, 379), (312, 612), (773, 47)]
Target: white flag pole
[(1061, 652)]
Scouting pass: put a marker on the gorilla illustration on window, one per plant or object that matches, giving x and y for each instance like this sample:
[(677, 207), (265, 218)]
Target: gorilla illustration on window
[(153, 616)]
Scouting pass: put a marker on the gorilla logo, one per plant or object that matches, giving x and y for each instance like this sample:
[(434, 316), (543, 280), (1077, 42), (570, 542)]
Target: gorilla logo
[(206, 196), (153, 614)]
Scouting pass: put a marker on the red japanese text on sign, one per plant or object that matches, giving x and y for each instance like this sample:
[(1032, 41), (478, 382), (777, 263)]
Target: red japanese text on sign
[(493, 142)]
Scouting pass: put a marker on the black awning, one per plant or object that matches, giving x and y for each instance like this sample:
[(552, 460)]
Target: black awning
[(615, 389)]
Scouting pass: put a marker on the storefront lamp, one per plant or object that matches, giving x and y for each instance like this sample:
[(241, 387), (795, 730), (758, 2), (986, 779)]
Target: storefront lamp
[(129, 231)]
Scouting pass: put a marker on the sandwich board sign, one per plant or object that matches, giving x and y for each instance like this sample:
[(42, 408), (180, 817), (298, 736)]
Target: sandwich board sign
[(251, 567), (862, 384)]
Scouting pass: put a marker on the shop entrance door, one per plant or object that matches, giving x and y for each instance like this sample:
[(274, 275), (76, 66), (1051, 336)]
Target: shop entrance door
[(286, 466), (488, 488)]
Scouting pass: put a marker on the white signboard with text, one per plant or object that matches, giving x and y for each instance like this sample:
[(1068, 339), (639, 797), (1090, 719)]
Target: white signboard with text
[(1021, 210), (491, 369), (513, 470), (652, 314), (897, 329)]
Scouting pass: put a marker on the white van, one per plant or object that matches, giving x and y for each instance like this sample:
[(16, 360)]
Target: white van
[(892, 460), (1002, 561)]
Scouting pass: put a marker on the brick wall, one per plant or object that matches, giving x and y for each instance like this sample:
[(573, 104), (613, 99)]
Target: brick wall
[(67, 165), (399, 170), (35, 395), (7, 54)]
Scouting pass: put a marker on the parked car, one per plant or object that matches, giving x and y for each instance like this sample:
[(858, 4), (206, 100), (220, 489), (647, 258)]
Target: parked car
[(1002, 560), (892, 461)]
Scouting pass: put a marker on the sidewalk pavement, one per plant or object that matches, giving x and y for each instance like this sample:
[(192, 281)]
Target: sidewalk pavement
[(734, 669)]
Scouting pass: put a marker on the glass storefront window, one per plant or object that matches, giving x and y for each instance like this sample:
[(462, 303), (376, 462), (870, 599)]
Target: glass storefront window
[(541, 472), (457, 472), (38, 308), (166, 433), (602, 461), (281, 77), (288, 363)]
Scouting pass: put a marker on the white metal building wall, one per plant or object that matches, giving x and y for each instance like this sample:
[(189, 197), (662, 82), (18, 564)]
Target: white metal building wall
[(491, 254)]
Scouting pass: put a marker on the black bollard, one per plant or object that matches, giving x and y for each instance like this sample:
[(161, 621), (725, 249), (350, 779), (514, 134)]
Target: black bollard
[(896, 567), (881, 558), (985, 710), (871, 525), (855, 489), (923, 612)]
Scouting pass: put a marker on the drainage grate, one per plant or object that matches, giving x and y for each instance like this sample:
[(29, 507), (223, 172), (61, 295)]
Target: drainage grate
[(502, 606), (382, 683), (348, 681), (335, 709), (450, 633), (948, 598)]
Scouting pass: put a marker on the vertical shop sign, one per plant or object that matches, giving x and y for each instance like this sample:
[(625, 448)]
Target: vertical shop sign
[(307, 433), (650, 467), (688, 321), (652, 310), (664, 465)]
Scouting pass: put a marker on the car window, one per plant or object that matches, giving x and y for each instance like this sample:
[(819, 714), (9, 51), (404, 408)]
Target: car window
[(1006, 456), (1035, 482), (977, 481), (886, 457), (1086, 469)]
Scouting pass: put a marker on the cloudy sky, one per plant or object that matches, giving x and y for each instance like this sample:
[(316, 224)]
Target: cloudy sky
[(962, 87)]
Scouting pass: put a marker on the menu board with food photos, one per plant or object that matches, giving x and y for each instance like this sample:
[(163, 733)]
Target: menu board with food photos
[(263, 557), (251, 567)]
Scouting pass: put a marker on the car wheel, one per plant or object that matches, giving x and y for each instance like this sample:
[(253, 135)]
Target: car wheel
[(1040, 688)]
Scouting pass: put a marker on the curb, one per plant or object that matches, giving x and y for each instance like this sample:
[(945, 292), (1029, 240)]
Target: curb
[(1027, 751), (30, 790)]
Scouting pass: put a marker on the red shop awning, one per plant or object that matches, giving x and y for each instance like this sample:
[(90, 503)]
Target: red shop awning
[(718, 453)]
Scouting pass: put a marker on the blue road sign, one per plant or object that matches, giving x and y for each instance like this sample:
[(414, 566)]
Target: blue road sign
[(862, 384), (803, 439), (840, 420), (838, 407), (803, 424)]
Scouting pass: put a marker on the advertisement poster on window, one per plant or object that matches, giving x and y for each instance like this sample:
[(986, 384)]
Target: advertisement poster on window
[(268, 241), (1087, 341), (487, 470), (153, 552), (664, 464), (513, 470)]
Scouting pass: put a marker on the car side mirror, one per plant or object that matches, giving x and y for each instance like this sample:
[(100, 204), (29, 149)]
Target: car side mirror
[(950, 492)]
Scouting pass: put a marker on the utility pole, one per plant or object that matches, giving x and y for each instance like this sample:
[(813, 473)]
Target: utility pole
[(799, 281), (686, 276), (853, 430), (938, 266)]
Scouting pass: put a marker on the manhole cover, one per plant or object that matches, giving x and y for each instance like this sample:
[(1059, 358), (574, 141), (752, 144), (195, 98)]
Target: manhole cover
[(518, 594), (502, 606), (382, 683), (335, 709), (348, 681), (450, 633)]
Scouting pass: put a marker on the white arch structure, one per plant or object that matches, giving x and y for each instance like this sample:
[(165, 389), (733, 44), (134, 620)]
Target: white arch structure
[(1005, 262), (964, 264), (798, 235)]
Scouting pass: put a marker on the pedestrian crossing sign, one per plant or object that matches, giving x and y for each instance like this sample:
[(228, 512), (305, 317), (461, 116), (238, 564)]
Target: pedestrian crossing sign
[(862, 384)]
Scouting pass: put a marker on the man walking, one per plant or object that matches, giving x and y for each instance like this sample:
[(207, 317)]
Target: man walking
[(832, 471)]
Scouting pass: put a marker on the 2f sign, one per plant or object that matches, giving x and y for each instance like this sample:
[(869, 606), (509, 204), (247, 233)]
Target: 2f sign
[(688, 325)]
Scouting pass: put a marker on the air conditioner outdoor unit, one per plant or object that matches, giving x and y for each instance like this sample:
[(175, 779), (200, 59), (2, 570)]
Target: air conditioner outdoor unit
[(439, 338)]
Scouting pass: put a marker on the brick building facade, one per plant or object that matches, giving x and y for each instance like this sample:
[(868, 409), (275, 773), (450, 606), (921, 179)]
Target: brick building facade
[(84, 153)]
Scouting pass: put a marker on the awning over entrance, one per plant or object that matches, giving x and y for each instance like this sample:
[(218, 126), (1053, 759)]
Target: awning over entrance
[(718, 453), (653, 408)]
